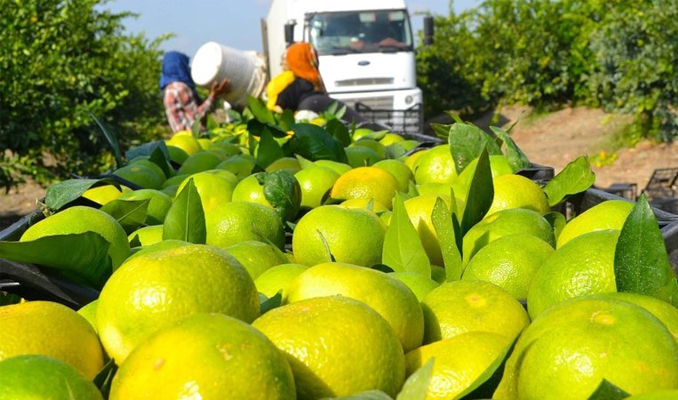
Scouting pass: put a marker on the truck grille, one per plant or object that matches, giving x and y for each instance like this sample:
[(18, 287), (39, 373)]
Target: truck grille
[(377, 103), (364, 82)]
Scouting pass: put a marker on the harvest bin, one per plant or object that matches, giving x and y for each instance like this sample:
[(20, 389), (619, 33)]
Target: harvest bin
[(32, 283)]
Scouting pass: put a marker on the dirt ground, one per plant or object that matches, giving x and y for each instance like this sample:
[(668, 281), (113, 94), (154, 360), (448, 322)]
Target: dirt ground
[(551, 140)]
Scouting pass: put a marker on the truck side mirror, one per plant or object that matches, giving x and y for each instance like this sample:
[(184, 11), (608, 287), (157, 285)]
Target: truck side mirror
[(289, 33), (428, 30)]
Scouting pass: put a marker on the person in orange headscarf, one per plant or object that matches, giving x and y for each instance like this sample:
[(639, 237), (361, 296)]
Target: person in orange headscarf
[(303, 89)]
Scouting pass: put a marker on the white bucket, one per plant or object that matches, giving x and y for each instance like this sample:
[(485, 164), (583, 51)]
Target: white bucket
[(214, 62)]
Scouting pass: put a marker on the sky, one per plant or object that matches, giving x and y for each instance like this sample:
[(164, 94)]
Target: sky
[(234, 23)]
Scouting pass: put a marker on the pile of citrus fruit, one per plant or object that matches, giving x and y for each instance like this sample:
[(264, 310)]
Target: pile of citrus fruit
[(262, 262)]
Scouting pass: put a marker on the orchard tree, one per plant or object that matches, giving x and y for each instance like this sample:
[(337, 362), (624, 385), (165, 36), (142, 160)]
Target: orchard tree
[(62, 61)]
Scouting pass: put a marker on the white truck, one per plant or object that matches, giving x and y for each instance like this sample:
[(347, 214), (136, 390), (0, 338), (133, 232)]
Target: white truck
[(365, 49)]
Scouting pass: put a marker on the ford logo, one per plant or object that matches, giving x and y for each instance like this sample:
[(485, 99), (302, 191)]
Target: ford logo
[(363, 63)]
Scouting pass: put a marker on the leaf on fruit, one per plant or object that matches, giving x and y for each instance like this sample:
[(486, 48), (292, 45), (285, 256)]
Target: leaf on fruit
[(63, 193), (269, 150), (608, 391), (516, 158), (480, 194), (81, 257), (314, 143), (185, 219), (337, 129), (403, 250), (104, 378), (283, 193), (443, 225), (467, 142), (557, 221), (131, 214), (576, 177), (417, 384), (641, 262), (260, 111), (271, 303)]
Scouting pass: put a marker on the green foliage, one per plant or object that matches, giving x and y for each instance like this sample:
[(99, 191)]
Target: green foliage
[(62, 59), (620, 55)]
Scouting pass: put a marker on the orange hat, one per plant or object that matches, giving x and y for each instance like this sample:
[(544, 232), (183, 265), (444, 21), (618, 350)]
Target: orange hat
[(302, 60)]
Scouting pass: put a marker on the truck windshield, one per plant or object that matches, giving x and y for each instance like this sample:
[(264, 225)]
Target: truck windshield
[(360, 32)]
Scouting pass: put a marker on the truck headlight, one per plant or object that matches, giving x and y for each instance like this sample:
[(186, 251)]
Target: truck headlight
[(409, 100)]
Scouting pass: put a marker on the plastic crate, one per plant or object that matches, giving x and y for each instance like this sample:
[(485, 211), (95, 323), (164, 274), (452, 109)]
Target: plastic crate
[(404, 122)]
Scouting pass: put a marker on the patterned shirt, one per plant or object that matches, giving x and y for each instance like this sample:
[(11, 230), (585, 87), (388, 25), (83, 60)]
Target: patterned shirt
[(181, 106)]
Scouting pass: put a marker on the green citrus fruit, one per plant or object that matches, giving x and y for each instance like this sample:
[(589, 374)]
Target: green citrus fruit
[(515, 191), (399, 170), (89, 312), (584, 266), (419, 209), (464, 306), (354, 236), (315, 184), (187, 143), (50, 329), (421, 286), (509, 262), (338, 167), (105, 194), (30, 377), (609, 214), (256, 256), (236, 222), (506, 222), (366, 183), (336, 347), (199, 162), (458, 361), (81, 219), (160, 288), (147, 235), (569, 349), (436, 165), (141, 176), (177, 154), (205, 356), (278, 279), (241, 165), (289, 163), (158, 205), (391, 298)]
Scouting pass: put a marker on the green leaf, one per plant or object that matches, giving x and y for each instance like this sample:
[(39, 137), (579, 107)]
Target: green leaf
[(82, 257), (260, 111), (368, 395), (328, 251), (486, 383), (403, 251), (148, 149), (608, 391), (283, 192), (395, 150), (382, 267), (269, 150), (131, 214), (443, 225), (441, 130), (576, 177), (304, 163), (557, 221), (111, 139), (256, 127), (160, 157), (61, 194), (516, 158), (417, 384), (337, 129), (271, 303), (105, 376), (376, 135), (480, 194), (467, 142), (641, 262), (185, 219), (314, 143), (285, 119)]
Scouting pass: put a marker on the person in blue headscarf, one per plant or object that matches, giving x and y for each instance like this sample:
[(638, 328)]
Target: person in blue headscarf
[(180, 96)]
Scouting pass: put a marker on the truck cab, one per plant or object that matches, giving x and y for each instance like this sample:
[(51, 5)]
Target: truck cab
[(366, 54)]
